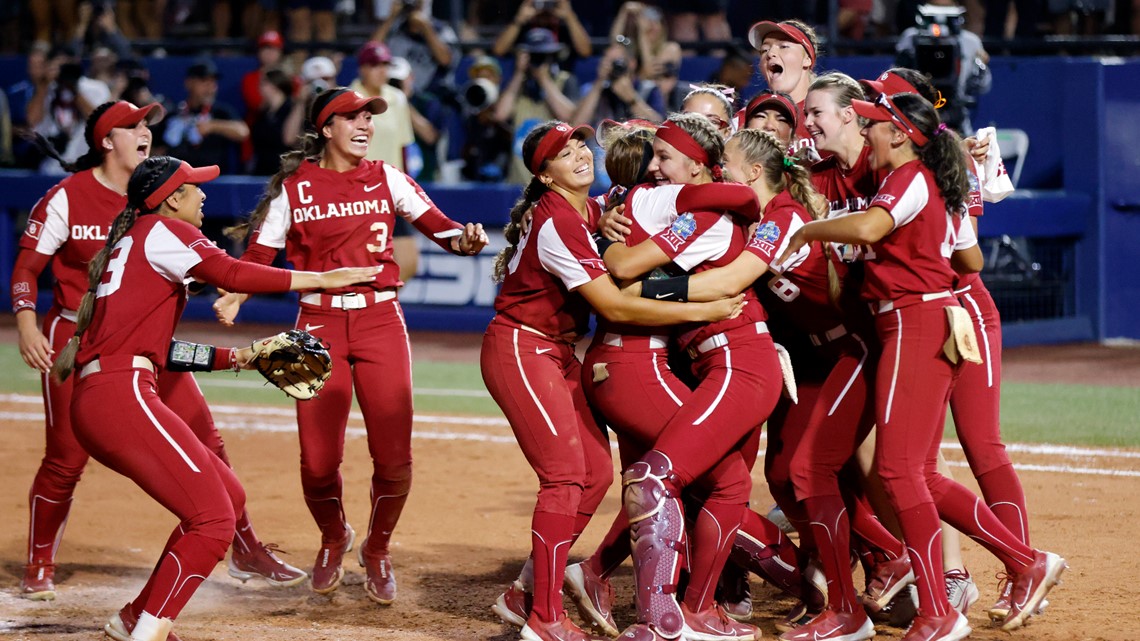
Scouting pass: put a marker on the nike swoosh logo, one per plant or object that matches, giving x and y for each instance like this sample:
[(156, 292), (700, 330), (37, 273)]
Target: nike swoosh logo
[(370, 188), (665, 295), (542, 351), (817, 636), (41, 545), (312, 328)]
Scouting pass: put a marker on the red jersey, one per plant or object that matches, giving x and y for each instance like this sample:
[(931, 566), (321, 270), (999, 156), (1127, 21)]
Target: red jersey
[(553, 258), (914, 258), (848, 190), (798, 291), (327, 219), (70, 223), (142, 294)]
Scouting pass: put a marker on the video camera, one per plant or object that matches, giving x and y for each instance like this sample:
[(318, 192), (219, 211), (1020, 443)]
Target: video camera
[(478, 94), (936, 51)]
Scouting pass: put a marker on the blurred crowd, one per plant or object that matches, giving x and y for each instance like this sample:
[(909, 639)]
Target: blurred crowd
[(450, 118)]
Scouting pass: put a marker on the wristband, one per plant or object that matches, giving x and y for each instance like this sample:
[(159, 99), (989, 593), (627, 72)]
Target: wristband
[(603, 243), (190, 357), (674, 289)]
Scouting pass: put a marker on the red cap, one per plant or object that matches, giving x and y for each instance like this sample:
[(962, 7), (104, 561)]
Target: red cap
[(182, 174), (885, 110), (271, 39), (553, 141), (682, 141), (124, 114), (768, 100), (889, 83), (374, 53), (763, 29), (344, 101)]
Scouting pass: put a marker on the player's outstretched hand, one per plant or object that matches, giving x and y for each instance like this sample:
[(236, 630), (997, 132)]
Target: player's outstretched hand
[(795, 242), (346, 276), (35, 349), (473, 240), (227, 306)]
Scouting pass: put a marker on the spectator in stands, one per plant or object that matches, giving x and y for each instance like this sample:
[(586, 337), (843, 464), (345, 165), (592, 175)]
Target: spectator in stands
[(199, 129), (141, 18), (267, 130), (853, 18), (539, 90), (556, 16), (429, 122), (124, 71), (310, 20), (486, 144), (617, 93), (658, 57), (6, 157), (137, 92), (393, 128), (1081, 17), (997, 15), (58, 110), (427, 43), (735, 70), (53, 22), (317, 74), (20, 94), (270, 51), (97, 27), (696, 20)]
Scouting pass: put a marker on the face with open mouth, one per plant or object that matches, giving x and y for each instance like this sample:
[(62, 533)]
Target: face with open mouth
[(572, 168), (784, 63), (129, 145), (350, 134)]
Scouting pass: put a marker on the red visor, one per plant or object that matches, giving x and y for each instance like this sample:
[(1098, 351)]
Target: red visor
[(124, 114), (682, 142), (889, 83), (349, 102), (553, 141), (773, 101), (182, 175), (884, 110), (762, 30)]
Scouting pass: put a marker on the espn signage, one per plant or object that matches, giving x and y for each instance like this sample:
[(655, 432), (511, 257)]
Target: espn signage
[(446, 279)]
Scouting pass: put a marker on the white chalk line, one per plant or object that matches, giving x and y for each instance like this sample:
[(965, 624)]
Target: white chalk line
[(240, 417)]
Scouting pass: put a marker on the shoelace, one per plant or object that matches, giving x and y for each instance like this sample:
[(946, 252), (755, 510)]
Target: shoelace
[(273, 548), (1004, 580)]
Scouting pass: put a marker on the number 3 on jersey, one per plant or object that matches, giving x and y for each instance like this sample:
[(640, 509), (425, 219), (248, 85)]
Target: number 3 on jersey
[(784, 288), (113, 274), (381, 230)]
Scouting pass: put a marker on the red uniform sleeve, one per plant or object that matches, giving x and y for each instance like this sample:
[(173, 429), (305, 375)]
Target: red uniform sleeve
[(29, 265), (259, 254), (684, 231), (237, 276), (735, 197), (434, 221)]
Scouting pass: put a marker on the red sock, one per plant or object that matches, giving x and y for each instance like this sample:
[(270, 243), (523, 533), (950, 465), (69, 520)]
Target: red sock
[(711, 542), (923, 534), (47, 520), (963, 509), (179, 573), (871, 530), (245, 539), (831, 531), (1002, 490), (614, 548), (550, 537)]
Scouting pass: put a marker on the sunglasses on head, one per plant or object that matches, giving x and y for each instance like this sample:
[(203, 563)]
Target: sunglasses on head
[(900, 120), (717, 121)]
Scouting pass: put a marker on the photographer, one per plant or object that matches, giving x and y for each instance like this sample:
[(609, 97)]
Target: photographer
[(428, 44), (486, 144), (617, 94), (539, 90), (558, 17), (60, 104), (317, 74), (950, 56)]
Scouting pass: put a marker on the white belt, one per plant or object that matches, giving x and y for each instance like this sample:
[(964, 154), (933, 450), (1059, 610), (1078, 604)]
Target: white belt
[(137, 362), (721, 339), (888, 305), (654, 342), (839, 331), (69, 314), (352, 300)]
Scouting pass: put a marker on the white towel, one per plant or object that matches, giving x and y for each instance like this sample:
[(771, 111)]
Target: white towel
[(996, 184)]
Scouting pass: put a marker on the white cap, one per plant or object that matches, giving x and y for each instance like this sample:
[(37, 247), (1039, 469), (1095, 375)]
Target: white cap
[(318, 67), (399, 68)]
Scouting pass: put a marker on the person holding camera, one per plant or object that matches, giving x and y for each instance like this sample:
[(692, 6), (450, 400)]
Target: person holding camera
[(428, 44), (61, 101), (617, 93), (540, 90), (201, 130), (658, 57), (486, 146), (556, 15)]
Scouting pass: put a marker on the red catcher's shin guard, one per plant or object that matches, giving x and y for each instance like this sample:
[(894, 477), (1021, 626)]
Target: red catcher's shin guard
[(657, 525), (769, 554)]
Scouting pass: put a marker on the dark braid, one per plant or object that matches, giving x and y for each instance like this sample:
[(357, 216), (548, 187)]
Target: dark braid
[(942, 154), (143, 182), (533, 191), (94, 155), (312, 147)]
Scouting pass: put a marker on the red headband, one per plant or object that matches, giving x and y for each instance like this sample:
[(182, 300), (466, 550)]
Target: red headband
[(682, 141), (183, 174)]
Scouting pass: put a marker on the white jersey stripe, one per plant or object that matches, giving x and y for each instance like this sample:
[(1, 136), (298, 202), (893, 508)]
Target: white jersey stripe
[(987, 357), (895, 373), (912, 201), (57, 224), (168, 255)]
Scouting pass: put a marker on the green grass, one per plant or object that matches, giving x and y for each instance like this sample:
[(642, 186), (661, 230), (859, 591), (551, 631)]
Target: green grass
[(1031, 412)]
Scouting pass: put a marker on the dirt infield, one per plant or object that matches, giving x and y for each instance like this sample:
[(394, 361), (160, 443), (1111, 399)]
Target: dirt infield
[(466, 531)]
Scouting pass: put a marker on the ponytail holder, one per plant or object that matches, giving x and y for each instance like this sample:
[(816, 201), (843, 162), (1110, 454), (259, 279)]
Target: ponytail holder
[(788, 163), (717, 173), (941, 102), (941, 128)]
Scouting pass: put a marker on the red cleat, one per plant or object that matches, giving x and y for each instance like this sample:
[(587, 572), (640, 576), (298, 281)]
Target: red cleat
[(327, 571)]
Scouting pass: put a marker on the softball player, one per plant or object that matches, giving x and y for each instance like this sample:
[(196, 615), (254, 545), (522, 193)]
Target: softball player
[(67, 227), (552, 275), (911, 233), (788, 53), (329, 206), (136, 293)]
